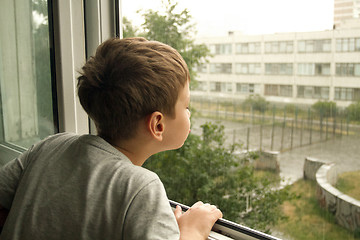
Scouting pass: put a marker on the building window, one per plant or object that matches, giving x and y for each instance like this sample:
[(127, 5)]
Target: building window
[(201, 86), (248, 68), (247, 88), (221, 68), (348, 69), (223, 87), (309, 46), (348, 45), (313, 92), (278, 68), (248, 48), (201, 68), (215, 86), (314, 69), (278, 90), (221, 49), (347, 94), (279, 47)]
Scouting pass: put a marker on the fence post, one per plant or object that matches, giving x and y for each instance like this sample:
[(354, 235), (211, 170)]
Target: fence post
[(234, 110), (252, 114), (334, 123), (327, 126), (261, 136), (311, 127), (321, 123), (282, 136), (243, 108), (292, 134), (273, 128), (347, 124), (341, 127), (296, 116), (301, 131), (247, 139)]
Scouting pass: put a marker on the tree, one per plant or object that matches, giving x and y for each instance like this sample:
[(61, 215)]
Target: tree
[(128, 29), (175, 29), (353, 111), (325, 108), (207, 170)]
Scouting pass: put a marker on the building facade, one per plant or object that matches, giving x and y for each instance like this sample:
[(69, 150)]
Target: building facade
[(344, 10), (298, 68)]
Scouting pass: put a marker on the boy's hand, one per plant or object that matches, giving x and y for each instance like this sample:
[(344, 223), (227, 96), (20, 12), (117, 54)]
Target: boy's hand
[(196, 223)]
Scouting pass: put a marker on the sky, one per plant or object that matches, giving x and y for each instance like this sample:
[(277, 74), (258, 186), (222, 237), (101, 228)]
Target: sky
[(217, 18)]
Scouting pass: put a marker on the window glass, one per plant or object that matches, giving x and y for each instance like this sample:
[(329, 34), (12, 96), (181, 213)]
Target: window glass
[(285, 91), (26, 102)]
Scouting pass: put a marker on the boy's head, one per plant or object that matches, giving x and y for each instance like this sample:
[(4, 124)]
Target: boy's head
[(128, 79)]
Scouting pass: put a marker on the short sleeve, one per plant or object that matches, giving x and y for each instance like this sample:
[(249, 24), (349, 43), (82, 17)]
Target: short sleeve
[(150, 215), (10, 175)]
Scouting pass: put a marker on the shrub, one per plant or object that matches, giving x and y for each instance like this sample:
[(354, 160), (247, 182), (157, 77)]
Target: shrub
[(325, 109), (257, 103)]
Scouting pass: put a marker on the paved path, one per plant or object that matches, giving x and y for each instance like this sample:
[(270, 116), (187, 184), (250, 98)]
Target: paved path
[(344, 151)]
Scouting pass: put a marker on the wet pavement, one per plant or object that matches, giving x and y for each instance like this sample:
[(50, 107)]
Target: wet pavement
[(344, 151)]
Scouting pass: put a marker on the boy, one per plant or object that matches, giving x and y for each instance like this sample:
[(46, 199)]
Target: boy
[(93, 187)]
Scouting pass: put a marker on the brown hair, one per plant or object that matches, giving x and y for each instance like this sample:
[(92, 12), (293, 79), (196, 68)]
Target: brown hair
[(128, 79)]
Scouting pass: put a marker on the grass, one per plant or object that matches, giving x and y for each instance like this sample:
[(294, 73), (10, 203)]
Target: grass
[(349, 183), (305, 220)]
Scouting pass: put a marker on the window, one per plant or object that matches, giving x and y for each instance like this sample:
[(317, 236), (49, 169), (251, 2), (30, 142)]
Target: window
[(247, 88), (347, 94), (284, 72), (220, 68), (314, 69), (278, 90), (348, 69), (201, 68), (313, 92), (248, 48), (348, 44), (26, 104), (309, 46), (201, 86), (278, 68), (221, 49), (279, 47), (247, 68)]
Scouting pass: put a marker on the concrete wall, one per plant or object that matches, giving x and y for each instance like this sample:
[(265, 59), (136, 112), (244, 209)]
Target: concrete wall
[(268, 160), (345, 208)]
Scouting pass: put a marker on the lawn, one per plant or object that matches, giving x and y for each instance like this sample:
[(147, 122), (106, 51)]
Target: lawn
[(349, 183), (305, 220)]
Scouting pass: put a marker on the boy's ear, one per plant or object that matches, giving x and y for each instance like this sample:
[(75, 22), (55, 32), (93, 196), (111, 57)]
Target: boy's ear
[(156, 125)]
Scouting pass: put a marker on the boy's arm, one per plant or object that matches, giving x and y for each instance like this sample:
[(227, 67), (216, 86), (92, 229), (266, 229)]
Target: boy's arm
[(3, 215), (196, 223)]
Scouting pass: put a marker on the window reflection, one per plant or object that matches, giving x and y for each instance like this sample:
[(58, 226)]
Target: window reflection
[(25, 73)]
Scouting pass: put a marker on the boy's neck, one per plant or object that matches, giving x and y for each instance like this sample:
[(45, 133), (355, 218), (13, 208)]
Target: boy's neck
[(135, 157)]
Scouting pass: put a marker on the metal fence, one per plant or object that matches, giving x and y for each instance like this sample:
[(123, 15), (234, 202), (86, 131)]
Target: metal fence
[(274, 129)]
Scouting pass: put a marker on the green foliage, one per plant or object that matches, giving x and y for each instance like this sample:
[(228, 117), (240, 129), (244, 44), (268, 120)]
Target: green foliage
[(353, 111), (205, 169), (257, 103), (175, 29), (325, 109)]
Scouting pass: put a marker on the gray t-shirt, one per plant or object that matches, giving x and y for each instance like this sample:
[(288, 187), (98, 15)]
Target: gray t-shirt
[(80, 187)]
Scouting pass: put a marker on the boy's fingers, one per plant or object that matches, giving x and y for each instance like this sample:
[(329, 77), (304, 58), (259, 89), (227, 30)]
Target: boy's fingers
[(199, 203), (178, 212)]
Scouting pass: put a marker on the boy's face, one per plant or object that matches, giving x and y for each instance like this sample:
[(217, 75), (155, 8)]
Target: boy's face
[(177, 129)]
